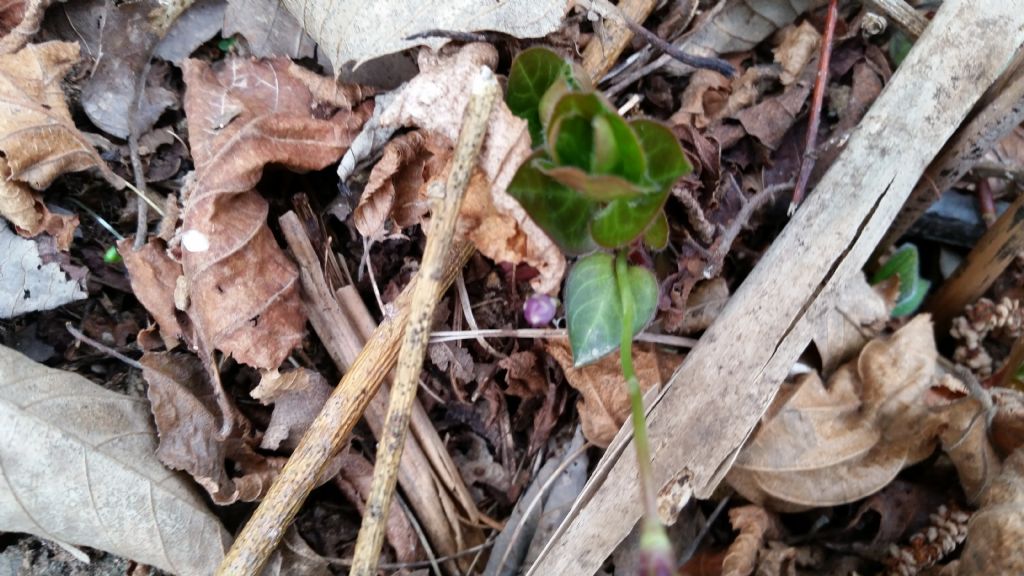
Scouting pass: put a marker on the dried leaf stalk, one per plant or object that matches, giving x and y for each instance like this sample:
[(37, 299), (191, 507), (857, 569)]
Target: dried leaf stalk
[(417, 334)]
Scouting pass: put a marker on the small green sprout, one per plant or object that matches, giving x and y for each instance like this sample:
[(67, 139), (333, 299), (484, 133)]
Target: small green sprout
[(905, 265), (112, 256), (597, 185)]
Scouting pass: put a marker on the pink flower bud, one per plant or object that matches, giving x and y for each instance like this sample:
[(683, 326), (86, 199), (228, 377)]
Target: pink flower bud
[(539, 309)]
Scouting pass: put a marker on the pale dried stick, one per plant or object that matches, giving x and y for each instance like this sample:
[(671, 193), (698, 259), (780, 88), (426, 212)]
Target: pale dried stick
[(902, 14), (444, 216)]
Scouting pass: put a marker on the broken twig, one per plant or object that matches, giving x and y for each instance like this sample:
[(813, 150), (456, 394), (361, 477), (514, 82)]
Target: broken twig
[(424, 299)]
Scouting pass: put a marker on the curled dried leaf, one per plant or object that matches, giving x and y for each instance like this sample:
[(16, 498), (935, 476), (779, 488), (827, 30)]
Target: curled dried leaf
[(37, 135), (242, 115), (297, 397), (154, 276), (497, 225), (398, 183)]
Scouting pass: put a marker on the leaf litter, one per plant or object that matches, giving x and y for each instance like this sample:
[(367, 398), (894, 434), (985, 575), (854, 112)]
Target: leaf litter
[(872, 417)]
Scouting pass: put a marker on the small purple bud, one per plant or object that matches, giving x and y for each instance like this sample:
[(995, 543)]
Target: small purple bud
[(539, 309)]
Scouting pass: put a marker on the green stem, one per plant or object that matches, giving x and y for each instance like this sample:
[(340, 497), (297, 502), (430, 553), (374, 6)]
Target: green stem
[(636, 395)]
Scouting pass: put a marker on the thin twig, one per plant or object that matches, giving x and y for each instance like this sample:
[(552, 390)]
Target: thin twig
[(102, 347), (410, 360), (142, 208), (695, 544), (431, 557), (347, 562), (608, 10), (714, 64), (467, 313), (439, 336), (814, 115)]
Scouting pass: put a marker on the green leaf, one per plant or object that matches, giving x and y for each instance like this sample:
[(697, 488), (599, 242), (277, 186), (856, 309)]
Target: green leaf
[(533, 72), (594, 308), (656, 237), (605, 153), (561, 212), (572, 141), (899, 47), (623, 221), (905, 265), (630, 163), (666, 161), (112, 256), (599, 188)]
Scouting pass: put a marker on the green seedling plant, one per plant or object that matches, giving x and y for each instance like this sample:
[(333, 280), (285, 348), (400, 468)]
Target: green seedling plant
[(597, 185), (905, 265)]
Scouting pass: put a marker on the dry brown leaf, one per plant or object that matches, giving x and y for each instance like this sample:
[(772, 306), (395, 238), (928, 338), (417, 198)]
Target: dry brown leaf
[(996, 530), (844, 329), (354, 480), (524, 374), (242, 115), (703, 305), (37, 136), (965, 439), (17, 204), (398, 183), (11, 14), (77, 466), (154, 276), (126, 39), (269, 29), (703, 100), (297, 396), (1008, 424), (769, 119), (189, 414), (755, 525), (831, 446), (799, 45), (453, 359), (604, 405), (496, 224)]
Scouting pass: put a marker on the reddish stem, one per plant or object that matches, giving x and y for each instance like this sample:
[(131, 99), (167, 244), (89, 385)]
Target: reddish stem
[(986, 203), (814, 117)]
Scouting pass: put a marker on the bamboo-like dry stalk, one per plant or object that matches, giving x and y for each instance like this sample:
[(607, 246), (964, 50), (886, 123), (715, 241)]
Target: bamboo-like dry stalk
[(444, 217)]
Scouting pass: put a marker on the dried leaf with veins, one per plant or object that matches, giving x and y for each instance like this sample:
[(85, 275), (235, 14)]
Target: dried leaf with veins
[(154, 276), (188, 414), (242, 115), (604, 402), (799, 45), (78, 467), (37, 136), (823, 446), (496, 224), (297, 397), (397, 184)]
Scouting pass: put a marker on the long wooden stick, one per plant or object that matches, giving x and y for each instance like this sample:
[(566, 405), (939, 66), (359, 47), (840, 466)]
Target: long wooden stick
[(327, 434), (444, 217)]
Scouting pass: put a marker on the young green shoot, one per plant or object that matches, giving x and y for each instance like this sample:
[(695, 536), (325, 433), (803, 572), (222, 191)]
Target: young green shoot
[(597, 185)]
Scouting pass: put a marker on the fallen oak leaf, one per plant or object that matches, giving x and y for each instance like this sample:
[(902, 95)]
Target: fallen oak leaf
[(244, 114), (997, 528), (188, 415), (494, 221), (154, 276)]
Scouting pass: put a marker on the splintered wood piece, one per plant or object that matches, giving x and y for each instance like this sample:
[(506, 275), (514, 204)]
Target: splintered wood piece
[(344, 326), (718, 395)]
